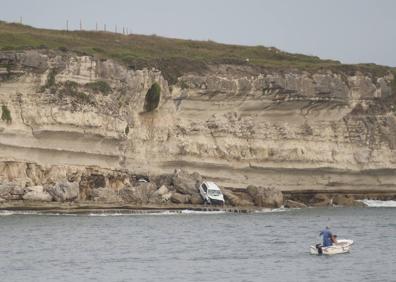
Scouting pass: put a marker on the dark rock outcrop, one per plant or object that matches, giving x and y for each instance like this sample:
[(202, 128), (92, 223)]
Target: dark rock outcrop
[(294, 204), (140, 194), (37, 193), (64, 191), (106, 195), (265, 196), (235, 200), (90, 182), (347, 201), (196, 199), (163, 195), (186, 183), (321, 200), (11, 191), (178, 198)]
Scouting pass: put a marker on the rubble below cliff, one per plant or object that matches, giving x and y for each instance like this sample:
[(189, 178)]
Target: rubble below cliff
[(64, 188)]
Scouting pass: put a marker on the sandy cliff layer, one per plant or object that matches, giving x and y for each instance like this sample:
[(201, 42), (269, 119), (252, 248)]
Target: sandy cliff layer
[(291, 130)]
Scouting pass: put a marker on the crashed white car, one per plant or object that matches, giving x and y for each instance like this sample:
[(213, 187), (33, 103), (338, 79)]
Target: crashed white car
[(211, 193)]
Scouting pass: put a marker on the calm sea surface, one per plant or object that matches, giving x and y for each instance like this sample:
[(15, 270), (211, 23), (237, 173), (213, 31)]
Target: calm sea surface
[(270, 246)]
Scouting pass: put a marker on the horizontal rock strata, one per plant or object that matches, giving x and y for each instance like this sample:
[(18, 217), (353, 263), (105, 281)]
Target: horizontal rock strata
[(69, 116)]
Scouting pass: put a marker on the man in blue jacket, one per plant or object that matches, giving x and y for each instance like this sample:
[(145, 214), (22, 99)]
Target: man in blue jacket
[(327, 237)]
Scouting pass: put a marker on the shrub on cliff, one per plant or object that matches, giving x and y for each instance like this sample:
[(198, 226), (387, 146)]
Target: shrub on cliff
[(152, 99), (71, 89), (50, 82), (83, 98), (50, 78), (5, 114), (99, 86)]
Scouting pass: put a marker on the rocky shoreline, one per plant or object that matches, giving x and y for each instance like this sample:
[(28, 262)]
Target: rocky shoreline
[(82, 190), (103, 208), (82, 187)]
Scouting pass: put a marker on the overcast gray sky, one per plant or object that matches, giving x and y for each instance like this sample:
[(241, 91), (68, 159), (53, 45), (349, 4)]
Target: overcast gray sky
[(353, 31)]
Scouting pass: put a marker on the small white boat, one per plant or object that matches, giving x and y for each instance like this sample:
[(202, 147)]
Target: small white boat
[(342, 246)]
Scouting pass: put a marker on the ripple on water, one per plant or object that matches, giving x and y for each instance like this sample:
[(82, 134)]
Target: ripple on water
[(195, 246)]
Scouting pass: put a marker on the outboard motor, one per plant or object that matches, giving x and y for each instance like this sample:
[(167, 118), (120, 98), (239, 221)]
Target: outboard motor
[(319, 248)]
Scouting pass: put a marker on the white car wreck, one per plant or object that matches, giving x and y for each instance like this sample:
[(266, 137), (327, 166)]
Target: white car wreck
[(211, 193)]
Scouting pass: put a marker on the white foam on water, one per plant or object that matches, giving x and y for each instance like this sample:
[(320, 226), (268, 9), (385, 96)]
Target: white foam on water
[(135, 213), (156, 213), (106, 214), (8, 213), (379, 204), (202, 212), (181, 212), (268, 210)]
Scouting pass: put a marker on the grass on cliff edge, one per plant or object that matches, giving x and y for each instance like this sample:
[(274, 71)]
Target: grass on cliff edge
[(172, 56)]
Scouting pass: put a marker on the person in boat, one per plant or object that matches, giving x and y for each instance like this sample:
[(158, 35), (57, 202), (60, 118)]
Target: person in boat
[(334, 239), (327, 237)]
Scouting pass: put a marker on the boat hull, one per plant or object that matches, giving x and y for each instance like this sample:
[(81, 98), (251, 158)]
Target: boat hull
[(341, 247)]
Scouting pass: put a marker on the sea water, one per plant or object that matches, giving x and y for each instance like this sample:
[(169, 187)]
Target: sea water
[(196, 246)]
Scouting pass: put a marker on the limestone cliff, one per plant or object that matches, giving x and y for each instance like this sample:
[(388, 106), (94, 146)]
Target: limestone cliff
[(234, 124)]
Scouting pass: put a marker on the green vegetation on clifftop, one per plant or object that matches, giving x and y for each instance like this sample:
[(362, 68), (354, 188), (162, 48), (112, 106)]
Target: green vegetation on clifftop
[(172, 56)]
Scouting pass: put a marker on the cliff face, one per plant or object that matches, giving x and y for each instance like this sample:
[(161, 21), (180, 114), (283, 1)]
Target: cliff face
[(233, 124)]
